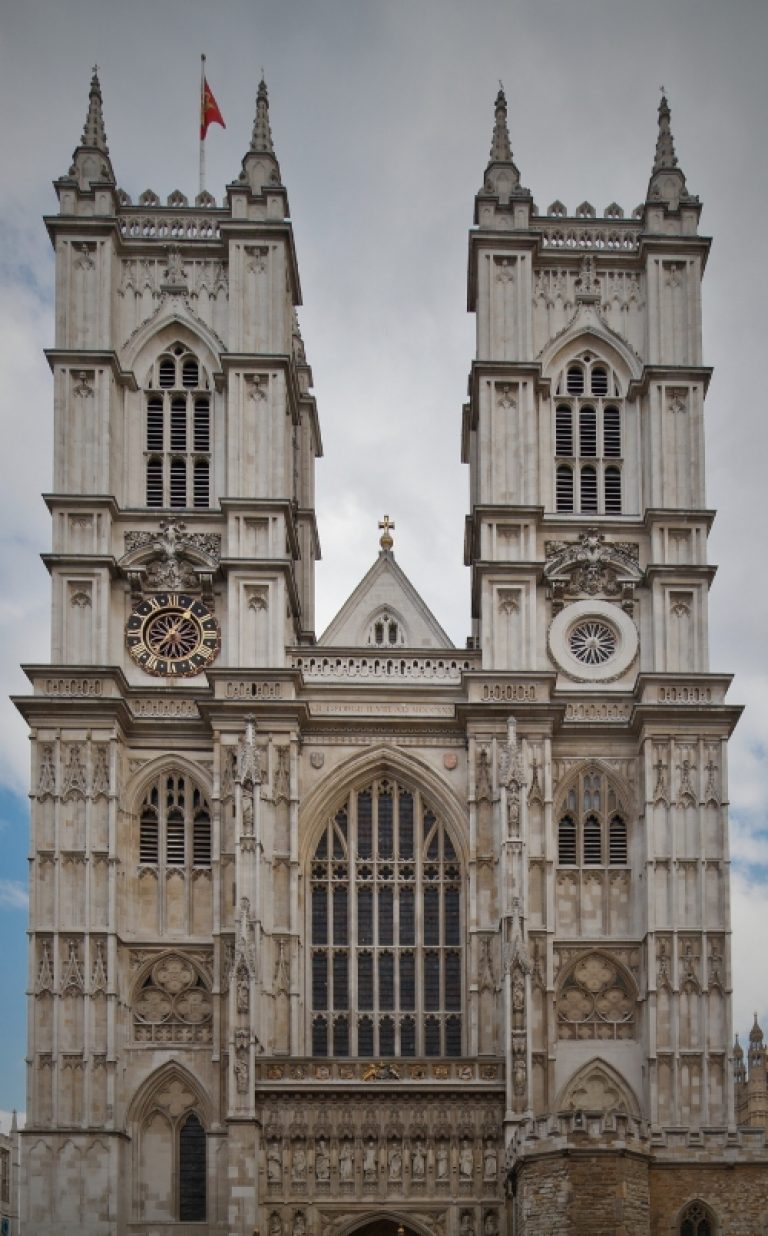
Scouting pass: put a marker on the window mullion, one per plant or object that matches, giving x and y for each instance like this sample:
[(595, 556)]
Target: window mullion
[(419, 839), (353, 947), (396, 911), (375, 915)]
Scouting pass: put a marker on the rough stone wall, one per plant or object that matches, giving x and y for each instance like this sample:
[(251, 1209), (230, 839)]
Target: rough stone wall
[(584, 1195), (737, 1196)]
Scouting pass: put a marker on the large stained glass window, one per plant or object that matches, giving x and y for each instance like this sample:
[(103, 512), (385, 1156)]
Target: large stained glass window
[(385, 924)]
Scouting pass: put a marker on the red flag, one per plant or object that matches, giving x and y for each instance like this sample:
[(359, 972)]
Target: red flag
[(209, 110)]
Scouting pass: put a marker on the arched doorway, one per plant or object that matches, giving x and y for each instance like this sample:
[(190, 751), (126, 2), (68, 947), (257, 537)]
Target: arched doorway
[(385, 1227)]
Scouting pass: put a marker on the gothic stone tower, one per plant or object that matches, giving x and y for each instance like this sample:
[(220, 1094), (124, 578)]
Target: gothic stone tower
[(369, 932)]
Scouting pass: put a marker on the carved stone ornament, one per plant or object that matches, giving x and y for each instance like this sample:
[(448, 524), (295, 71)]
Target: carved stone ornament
[(591, 567), (46, 778), (484, 789), (172, 1004), (72, 982), (171, 559), (248, 766), (74, 782)]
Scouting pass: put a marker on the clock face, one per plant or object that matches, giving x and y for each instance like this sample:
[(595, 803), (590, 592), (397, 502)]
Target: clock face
[(172, 635)]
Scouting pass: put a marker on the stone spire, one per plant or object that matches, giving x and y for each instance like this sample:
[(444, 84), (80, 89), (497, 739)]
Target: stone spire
[(261, 170), (665, 146), (501, 183), (501, 151), (94, 134), (261, 138), (667, 184), (90, 162)]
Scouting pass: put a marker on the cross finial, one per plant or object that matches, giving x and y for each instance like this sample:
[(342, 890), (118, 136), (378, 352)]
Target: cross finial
[(386, 541)]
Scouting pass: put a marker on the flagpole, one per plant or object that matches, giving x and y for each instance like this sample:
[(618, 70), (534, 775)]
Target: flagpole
[(202, 146)]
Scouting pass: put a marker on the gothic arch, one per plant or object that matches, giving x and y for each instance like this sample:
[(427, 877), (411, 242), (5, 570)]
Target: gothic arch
[(410, 1221), (353, 774), (161, 331), (598, 337), (692, 1217), (138, 785), (598, 1086), (378, 612), (624, 793), (596, 997), (145, 1100)]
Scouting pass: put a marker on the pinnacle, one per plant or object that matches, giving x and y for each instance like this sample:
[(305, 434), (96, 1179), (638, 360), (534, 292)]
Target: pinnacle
[(261, 138), (501, 151), (665, 146), (94, 134)]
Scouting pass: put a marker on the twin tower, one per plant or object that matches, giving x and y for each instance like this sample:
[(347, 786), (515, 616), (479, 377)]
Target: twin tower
[(367, 932)]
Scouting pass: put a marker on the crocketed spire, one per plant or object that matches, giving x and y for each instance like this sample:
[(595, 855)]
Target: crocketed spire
[(665, 146), (756, 1033), (94, 134), (261, 138), (501, 151)]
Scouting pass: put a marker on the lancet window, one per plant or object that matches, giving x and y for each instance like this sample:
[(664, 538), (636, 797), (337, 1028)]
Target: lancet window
[(588, 439), (174, 825), (592, 828), (696, 1221), (178, 431), (386, 956)]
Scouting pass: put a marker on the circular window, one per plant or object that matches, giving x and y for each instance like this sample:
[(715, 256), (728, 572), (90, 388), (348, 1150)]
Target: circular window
[(593, 641)]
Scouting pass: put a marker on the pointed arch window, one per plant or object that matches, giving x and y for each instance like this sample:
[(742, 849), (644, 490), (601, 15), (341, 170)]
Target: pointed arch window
[(174, 824), (592, 830), (697, 1220), (588, 439), (385, 926), (178, 432)]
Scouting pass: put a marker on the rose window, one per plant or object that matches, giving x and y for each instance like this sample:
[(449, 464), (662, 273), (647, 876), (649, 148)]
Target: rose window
[(173, 1005), (592, 643), (596, 1001)]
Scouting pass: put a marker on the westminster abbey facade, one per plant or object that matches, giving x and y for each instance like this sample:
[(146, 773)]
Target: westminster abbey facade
[(363, 932)]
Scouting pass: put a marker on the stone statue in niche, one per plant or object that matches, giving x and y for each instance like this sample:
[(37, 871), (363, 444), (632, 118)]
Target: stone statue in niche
[(466, 1160), (395, 1161), (322, 1161), (519, 1070), (274, 1164), (275, 1224), (299, 1224), (490, 1224), (243, 990), (490, 1161), (370, 1164), (299, 1165), (346, 1163), (241, 1075), (467, 1224), (518, 1001), (441, 1161), (418, 1160)]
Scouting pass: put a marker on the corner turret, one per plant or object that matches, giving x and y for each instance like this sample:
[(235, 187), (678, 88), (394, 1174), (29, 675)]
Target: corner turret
[(261, 170), (668, 194), (91, 164), (502, 194)]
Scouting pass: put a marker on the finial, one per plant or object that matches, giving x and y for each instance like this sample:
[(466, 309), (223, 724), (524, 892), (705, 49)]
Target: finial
[(385, 541), (501, 151), (93, 130), (665, 146), (261, 139)]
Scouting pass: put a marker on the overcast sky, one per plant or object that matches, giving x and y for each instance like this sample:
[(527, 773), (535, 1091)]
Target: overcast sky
[(381, 114)]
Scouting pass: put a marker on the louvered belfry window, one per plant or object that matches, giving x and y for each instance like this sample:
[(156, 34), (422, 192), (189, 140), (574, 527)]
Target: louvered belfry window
[(592, 829), (174, 824), (588, 439), (386, 956), (178, 432)]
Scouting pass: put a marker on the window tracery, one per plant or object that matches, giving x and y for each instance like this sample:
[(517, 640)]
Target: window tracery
[(172, 1004), (178, 431), (596, 1000), (588, 439), (592, 829), (174, 825), (696, 1221), (386, 953)]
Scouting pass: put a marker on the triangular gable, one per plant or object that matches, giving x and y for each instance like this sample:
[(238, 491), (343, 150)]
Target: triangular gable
[(385, 596)]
